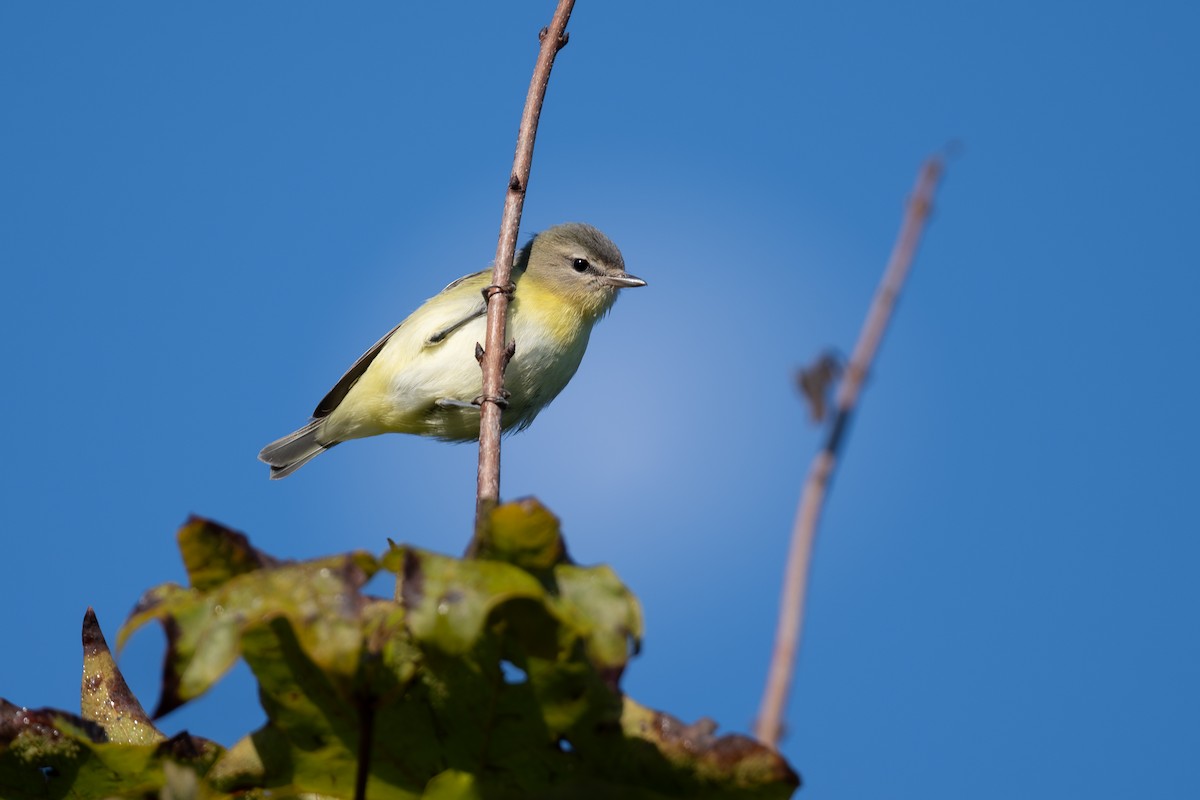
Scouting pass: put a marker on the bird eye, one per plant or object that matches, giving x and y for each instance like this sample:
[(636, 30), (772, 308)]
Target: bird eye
[(580, 265)]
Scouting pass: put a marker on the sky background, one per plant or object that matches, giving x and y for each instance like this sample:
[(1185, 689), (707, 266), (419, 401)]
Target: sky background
[(208, 212)]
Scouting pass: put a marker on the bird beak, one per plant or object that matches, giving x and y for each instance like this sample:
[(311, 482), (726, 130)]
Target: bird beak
[(624, 281)]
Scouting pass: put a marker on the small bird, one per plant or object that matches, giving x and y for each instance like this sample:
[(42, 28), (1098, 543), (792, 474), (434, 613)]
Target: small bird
[(423, 378)]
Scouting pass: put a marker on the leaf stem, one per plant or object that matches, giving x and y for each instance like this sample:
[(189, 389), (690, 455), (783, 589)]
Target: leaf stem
[(366, 742)]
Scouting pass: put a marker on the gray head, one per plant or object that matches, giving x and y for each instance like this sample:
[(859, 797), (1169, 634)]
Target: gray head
[(578, 263)]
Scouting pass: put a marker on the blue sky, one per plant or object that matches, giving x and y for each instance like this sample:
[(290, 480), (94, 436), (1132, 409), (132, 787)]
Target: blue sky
[(207, 213)]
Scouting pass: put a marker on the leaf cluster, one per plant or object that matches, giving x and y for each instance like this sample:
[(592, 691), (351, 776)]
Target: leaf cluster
[(492, 676)]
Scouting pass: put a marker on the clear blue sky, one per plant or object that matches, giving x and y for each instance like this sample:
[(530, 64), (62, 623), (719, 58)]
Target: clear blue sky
[(207, 213)]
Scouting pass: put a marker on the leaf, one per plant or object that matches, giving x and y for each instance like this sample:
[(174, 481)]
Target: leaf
[(489, 677), (595, 603), (452, 785), (213, 553), (524, 534), (448, 601), (45, 753), (204, 624), (105, 697), (732, 762)]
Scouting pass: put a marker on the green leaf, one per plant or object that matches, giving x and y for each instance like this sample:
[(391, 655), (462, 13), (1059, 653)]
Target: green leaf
[(448, 600), (45, 753), (213, 553), (602, 611), (452, 785), (204, 624), (523, 533)]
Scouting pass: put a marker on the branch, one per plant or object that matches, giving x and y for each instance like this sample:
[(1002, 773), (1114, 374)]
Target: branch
[(493, 360), (769, 725)]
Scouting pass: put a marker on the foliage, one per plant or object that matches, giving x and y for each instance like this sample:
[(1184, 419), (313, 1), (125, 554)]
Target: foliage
[(493, 676)]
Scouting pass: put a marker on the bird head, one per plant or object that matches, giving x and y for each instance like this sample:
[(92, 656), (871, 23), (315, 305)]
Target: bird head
[(579, 264)]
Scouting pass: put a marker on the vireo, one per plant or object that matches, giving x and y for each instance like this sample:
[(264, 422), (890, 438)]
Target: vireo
[(422, 377)]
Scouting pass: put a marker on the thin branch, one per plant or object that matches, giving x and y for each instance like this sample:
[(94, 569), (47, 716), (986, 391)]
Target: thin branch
[(495, 353), (769, 726)]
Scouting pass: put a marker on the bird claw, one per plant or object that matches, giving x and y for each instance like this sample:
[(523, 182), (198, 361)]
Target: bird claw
[(494, 289), (501, 401)]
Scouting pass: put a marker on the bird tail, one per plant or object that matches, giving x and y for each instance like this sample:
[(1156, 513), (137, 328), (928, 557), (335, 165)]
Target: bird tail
[(293, 451)]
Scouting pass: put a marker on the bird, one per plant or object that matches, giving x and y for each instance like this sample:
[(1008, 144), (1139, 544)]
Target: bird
[(423, 378)]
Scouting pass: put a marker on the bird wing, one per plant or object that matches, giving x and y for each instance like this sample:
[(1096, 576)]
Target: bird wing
[(338, 393)]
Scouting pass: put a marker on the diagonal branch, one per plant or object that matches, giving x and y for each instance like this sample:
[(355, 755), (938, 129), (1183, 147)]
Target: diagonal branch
[(493, 359), (769, 725)]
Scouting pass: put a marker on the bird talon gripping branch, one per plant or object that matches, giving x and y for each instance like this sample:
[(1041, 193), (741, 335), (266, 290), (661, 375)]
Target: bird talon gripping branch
[(508, 291), (501, 401)]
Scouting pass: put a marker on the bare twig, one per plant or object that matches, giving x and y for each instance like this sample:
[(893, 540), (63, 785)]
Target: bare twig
[(769, 726), (553, 39)]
